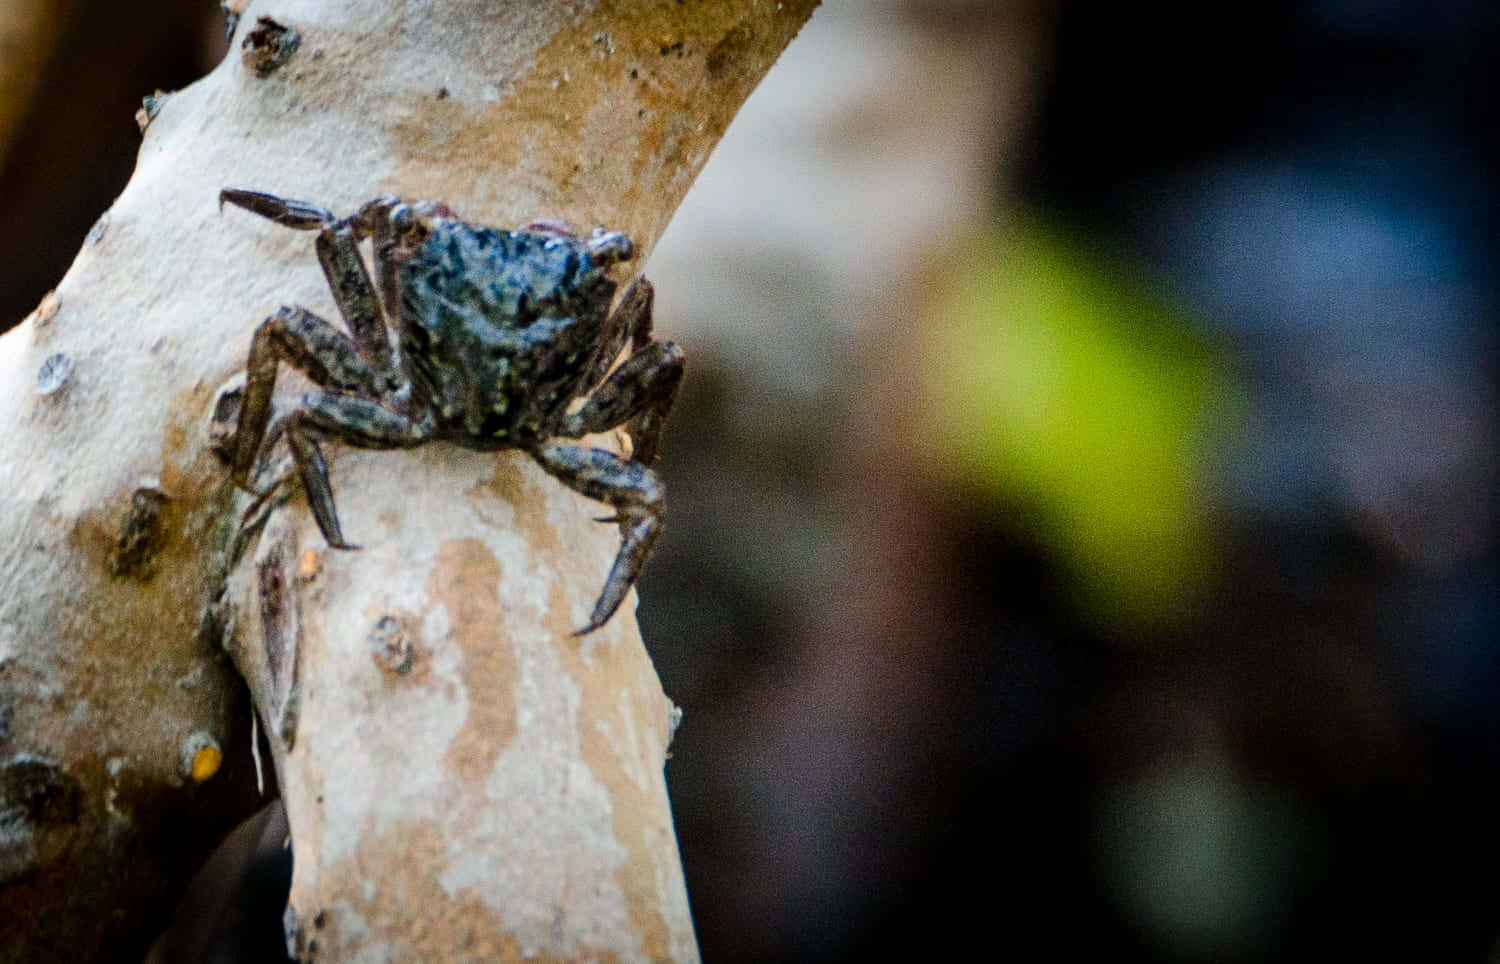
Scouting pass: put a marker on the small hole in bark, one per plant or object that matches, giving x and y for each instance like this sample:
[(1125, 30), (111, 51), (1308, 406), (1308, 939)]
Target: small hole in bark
[(268, 46), (390, 646)]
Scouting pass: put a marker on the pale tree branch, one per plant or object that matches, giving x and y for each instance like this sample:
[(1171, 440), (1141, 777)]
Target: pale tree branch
[(503, 795)]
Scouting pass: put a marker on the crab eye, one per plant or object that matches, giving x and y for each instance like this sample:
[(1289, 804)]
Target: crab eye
[(402, 219), (608, 246)]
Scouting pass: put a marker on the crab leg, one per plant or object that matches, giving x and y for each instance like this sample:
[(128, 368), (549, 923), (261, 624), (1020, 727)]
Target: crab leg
[(384, 238), (391, 224), (640, 392), (357, 421), (291, 214), (639, 502), (630, 321), (306, 342), (338, 253)]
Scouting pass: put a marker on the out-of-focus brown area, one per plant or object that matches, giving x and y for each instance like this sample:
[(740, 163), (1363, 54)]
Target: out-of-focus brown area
[(1082, 495), (1083, 498), (74, 141), (28, 29)]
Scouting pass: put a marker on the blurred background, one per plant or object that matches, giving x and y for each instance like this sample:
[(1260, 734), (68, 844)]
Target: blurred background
[(1083, 492)]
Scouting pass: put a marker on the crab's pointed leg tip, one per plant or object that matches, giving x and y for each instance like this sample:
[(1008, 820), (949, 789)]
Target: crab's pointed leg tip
[(347, 546)]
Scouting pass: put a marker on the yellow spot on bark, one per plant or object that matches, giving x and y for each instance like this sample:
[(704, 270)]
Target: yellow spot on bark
[(206, 763)]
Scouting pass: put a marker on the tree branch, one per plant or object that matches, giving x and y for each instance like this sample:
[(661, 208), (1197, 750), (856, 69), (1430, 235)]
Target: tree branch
[(500, 796)]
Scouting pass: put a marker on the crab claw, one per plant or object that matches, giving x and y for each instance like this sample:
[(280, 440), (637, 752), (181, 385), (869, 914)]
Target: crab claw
[(291, 214)]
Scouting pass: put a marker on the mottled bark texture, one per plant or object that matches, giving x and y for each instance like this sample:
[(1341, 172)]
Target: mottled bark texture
[(463, 779)]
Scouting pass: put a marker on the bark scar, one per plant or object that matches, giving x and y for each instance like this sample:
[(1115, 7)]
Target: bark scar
[(268, 46), (141, 536), (278, 623)]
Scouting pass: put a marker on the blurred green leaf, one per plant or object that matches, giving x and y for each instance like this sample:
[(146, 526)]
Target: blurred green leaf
[(1060, 387)]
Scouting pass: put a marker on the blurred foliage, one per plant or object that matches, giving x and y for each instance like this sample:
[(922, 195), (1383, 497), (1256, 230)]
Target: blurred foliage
[(1060, 388)]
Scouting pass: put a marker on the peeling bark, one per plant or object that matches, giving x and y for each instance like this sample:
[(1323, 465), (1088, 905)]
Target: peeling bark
[(463, 779)]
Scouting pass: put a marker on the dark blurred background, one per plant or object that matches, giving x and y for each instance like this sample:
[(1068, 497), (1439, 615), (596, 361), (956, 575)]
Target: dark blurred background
[(1083, 491)]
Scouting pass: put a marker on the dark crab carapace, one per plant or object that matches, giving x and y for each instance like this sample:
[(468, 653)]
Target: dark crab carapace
[(471, 335)]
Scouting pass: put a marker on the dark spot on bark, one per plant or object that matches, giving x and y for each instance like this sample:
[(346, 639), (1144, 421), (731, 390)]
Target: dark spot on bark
[(38, 789), (672, 48), (442, 93), (225, 420), (268, 46), (141, 536), (215, 621), (390, 646), (730, 48), (18, 852), (635, 74), (4, 722)]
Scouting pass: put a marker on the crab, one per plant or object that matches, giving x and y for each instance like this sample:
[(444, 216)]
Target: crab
[(471, 335)]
